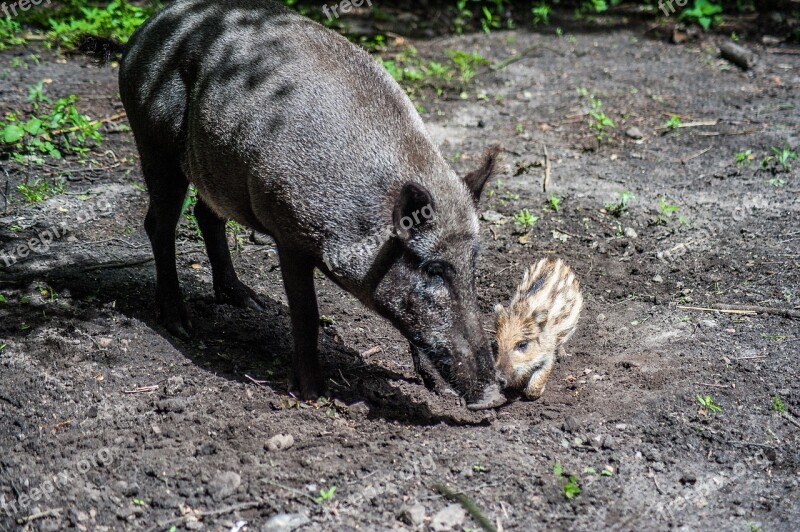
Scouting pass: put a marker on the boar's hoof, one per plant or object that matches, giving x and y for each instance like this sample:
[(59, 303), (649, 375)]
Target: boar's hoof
[(180, 328), (239, 295), (491, 398), (174, 317), (309, 391)]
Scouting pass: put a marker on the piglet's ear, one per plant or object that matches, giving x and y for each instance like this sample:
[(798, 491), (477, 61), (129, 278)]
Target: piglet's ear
[(540, 317), (413, 209), (477, 179)]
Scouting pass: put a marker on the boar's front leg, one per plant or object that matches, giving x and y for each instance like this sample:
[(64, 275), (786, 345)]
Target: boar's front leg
[(227, 286), (297, 270)]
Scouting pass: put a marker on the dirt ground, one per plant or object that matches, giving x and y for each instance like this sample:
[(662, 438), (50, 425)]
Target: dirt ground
[(109, 423)]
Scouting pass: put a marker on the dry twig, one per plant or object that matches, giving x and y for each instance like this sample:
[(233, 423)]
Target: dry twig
[(468, 505), (546, 168), (747, 310)]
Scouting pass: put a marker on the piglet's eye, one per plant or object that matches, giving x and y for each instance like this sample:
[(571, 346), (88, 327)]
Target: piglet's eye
[(522, 346)]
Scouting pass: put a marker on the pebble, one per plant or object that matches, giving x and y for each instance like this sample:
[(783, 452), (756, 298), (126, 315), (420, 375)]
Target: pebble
[(359, 409), (104, 342), (285, 522), (173, 404), (280, 442), (224, 485), (658, 279), (630, 233), (570, 425), (608, 443), (688, 478), (449, 518), (634, 133), (493, 217), (413, 515)]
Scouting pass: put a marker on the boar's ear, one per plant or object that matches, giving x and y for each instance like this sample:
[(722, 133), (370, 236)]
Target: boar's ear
[(413, 209), (477, 179)]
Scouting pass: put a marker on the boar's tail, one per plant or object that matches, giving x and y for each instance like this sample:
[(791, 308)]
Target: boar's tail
[(101, 49)]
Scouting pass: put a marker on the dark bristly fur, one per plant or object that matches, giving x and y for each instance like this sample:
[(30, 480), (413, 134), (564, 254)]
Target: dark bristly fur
[(289, 129)]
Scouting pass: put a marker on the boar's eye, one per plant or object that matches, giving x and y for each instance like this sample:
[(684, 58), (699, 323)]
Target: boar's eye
[(522, 346), (435, 268)]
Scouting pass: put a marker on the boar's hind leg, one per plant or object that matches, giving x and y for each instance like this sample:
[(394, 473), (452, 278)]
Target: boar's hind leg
[(227, 286), (298, 279), (167, 187)]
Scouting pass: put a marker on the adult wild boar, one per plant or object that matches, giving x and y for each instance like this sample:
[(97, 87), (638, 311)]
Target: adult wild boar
[(287, 128)]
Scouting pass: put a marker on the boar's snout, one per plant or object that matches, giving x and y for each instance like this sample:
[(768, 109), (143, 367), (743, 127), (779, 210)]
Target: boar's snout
[(478, 383)]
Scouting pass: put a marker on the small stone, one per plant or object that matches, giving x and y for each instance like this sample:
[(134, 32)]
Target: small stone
[(739, 511), (494, 217), (481, 123), (608, 443), (359, 409), (658, 279), (173, 385), (369, 493), (413, 515), (104, 342), (630, 233), (173, 404), (570, 425), (620, 426), (688, 478), (285, 522), (224, 485), (634, 133), (280, 442), (448, 518)]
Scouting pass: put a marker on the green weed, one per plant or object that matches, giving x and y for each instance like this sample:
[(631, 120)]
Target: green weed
[(571, 488), (238, 233), (783, 156), (63, 129), (744, 157), (620, 207), (40, 190), (708, 403), (554, 201), (189, 203), (325, 495), (10, 33), (778, 405), (525, 219), (703, 12), (599, 122), (664, 211), (674, 122), (541, 13), (117, 20), (467, 64)]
